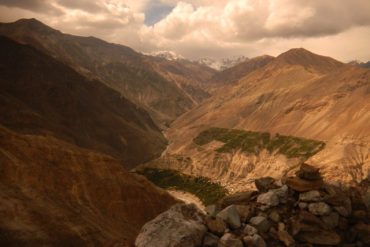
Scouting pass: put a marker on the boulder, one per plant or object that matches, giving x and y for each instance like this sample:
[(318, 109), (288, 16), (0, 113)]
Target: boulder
[(310, 196), (274, 216), (230, 240), (231, 216), (264, 184), (302, 205), (180, 226), (262, 224), (331, 220), (254, 241), (285, 237), (319, 208), (212, 210), (302, 185), (281, 193), (342, 211), (210, 240), (269, 199), (245, 212), (320, 237), (216, 225), (308, 172), (250, 230)]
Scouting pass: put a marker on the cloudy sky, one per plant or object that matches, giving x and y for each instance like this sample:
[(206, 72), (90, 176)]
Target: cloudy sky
[(211, 28)]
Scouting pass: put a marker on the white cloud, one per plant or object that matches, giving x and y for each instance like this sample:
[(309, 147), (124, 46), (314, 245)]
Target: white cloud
[(209, 28)]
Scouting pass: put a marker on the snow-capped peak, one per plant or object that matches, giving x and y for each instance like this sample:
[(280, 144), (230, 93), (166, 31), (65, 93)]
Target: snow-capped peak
[(221, 64), (169, 55)]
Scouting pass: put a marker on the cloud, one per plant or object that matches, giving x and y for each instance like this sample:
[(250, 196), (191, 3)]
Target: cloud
[(39, 6), (196, 28)]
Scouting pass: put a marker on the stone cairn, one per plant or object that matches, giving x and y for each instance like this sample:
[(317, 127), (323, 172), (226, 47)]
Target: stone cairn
[(299, 211)]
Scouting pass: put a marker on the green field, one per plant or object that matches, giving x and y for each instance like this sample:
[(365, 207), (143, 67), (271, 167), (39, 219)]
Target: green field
[(207, 191), (254, 142)]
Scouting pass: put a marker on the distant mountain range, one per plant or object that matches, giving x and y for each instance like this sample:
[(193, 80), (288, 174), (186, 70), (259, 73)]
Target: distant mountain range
[(360, 64), (217, 64)]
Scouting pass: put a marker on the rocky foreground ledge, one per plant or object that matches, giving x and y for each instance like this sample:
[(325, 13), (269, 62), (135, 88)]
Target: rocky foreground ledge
[(298, 211)]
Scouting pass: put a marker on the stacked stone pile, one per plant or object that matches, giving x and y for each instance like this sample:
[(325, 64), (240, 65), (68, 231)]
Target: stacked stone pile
[(300, 211)]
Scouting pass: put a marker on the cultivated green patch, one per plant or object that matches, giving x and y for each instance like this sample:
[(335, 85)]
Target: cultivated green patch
[(253, 142), (207, 191)]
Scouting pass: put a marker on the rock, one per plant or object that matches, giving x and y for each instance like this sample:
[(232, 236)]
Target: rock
[(274, 216), (308, 172), (261, 223), (230, 240), (359, 214), (310, 196), (282, 193), (216, 225), (210, 240), (180, 226), (366, 198), (302, 185), (237, 199), (320, 237), (306, 221), (319, 208), (285, 237), (268, 199), (331, 220), (245, 212), (254, 241), (302, 205), (264, 184), (342, 211), (363, 231), (250, 230), (212, 210), (231, 216)]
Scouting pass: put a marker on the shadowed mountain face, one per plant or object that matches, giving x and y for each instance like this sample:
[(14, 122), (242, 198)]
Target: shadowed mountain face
[(40, 95), (297, 94), (119, 67), (53, 193), (57, 187)]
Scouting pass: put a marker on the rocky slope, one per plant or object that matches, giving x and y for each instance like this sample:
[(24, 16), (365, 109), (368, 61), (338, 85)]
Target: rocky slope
[(119, 67), (40, 95), (191, 77), (53, 193), (299, 210), (297, 94)]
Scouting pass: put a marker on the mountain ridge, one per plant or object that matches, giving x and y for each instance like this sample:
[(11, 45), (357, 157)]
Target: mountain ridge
[(118, 66)]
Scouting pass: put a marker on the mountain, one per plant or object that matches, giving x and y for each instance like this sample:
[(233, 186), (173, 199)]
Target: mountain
[(64, 143), (221, 64), (40, 95), (53, 193), (119, 67), (233, 74), (168, 55), (360, 64), (298, 107), (191, 77)]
